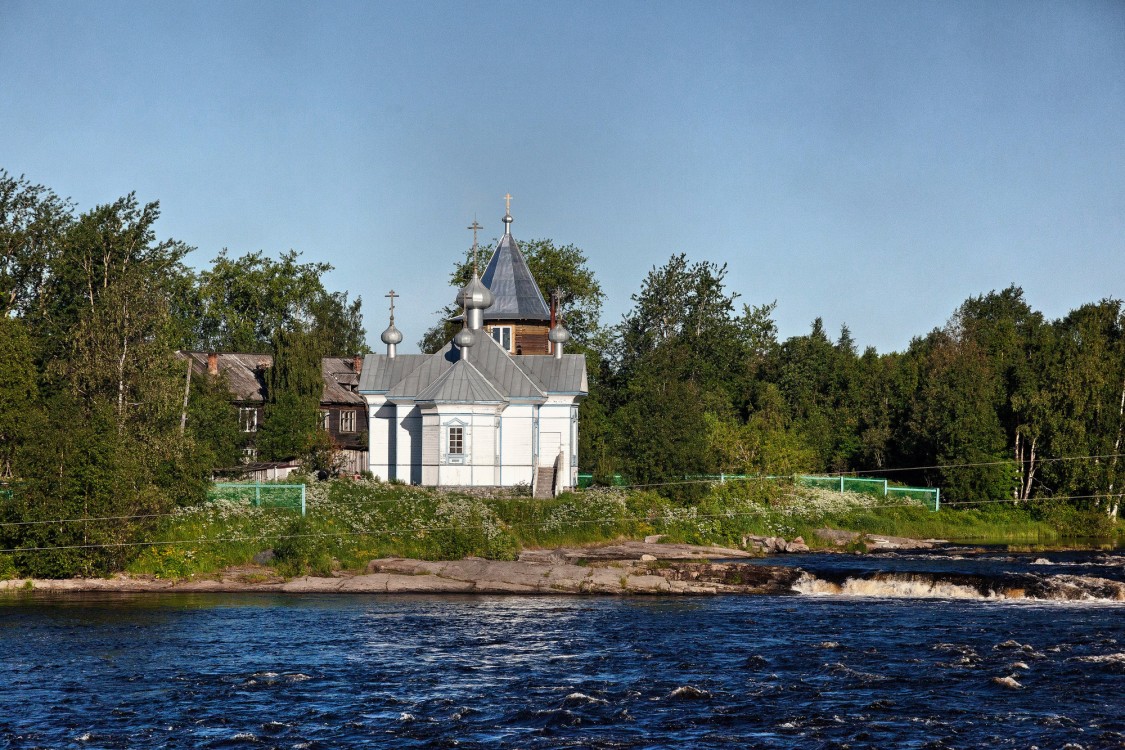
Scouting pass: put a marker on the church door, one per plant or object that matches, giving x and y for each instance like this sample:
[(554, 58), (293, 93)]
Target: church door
[(549, 444)]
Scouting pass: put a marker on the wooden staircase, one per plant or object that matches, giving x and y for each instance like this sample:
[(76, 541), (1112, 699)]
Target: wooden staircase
[(545, 482)]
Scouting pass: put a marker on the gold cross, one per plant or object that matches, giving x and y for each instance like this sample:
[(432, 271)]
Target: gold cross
[(508, 203)]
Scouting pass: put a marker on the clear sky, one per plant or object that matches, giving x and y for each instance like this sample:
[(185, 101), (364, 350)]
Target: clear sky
[(871, 163)]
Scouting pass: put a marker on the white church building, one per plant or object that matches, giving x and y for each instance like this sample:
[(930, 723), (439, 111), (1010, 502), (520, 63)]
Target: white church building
[(496, 406)]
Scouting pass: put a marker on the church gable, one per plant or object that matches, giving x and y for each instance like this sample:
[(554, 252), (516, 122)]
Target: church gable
[(461, 384)]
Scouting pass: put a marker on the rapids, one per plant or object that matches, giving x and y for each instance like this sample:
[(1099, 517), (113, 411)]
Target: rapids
[(891, 651)]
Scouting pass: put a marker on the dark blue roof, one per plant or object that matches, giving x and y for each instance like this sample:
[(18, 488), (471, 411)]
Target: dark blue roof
[(516, 295)]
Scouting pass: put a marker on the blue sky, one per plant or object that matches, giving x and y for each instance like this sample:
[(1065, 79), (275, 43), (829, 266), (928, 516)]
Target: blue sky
[(870, 163)]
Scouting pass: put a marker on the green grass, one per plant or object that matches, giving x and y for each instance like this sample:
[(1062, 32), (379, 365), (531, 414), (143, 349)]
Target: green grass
[(350, 523)]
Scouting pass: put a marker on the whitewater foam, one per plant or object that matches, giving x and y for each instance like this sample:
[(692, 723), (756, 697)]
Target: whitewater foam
[(1036, 587), (886, 588), (1103, 659)]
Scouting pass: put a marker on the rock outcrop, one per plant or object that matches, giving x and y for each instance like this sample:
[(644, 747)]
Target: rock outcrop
[(471, 576), (876, 541)]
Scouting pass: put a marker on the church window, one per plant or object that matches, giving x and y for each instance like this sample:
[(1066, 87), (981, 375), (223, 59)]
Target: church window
[(324, 419), (503, 336), (347, 421), (248, 419), (456, 441)]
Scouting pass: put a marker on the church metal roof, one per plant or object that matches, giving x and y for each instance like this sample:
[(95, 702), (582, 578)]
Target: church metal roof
[(516, 295), (461, 384), (528, 378), (564, 375), (380, 372)]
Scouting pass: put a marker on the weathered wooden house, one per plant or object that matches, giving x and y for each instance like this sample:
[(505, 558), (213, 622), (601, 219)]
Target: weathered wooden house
[(343, 411)]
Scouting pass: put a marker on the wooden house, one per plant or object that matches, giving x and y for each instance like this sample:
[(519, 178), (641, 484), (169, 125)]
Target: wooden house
[(343, 412)]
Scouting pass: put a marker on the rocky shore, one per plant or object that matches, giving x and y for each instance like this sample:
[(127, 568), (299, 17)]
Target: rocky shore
[(629, 567)]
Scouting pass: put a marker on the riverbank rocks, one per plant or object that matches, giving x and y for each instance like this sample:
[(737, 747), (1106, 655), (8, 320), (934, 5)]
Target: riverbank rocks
[(629, 550), (468, 576), (840, 538), (797, 545), (771, 544)]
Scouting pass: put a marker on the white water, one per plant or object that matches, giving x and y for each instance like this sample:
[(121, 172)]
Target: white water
[(914, 586)]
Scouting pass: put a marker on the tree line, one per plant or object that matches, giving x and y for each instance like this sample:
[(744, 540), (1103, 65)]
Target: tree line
[(1000, 404), (98, 417)]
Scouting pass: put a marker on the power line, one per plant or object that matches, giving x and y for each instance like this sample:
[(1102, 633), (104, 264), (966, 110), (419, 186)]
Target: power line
[(686, 482), (460, 527), (1003, 462)]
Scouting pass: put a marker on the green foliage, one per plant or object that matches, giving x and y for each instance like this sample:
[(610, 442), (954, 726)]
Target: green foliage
[(242, 303), (33, 221), (213, 422), (18, 390), (8, 569), (295, 385)]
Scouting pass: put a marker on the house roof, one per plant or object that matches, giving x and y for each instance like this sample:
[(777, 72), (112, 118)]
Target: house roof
[(461, 384), (246, 376), (515, 294), (245, 373), (341, 381)]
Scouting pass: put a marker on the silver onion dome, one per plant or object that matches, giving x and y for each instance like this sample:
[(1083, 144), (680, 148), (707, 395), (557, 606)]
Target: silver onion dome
[(391, 336), (464, 338), (474, 295), (559, 334), (474, 298)]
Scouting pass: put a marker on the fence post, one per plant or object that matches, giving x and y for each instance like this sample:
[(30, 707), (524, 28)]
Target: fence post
[(937, 499), (841, 484), (884, 488), (302, 499), (722, 478), (257, 494)]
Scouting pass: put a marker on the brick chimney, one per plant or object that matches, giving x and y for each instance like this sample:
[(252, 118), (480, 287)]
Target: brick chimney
[(212, 363), (357, 363)]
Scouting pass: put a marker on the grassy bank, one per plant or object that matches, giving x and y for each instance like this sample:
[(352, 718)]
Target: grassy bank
[(349, 523)]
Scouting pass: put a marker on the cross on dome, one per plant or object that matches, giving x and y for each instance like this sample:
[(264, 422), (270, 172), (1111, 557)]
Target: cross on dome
[(392, 294), (475, 227)]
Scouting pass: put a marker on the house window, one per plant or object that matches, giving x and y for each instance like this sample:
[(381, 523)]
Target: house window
[(324, 419), (248, 419), (347, 421), (456, 441), (503, 336)]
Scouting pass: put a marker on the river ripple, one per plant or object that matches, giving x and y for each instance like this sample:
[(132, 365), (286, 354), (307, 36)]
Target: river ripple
[(180, 671)]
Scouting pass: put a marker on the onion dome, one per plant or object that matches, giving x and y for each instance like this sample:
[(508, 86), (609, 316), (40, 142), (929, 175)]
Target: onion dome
[(391, 336), (474, 295), (559, 334), (464, 338)]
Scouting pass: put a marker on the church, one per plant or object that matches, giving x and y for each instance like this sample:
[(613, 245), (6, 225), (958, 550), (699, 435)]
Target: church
[(496, 406)]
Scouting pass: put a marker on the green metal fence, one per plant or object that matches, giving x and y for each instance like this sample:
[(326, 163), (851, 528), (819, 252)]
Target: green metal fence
[(929, 496), (260, 494)]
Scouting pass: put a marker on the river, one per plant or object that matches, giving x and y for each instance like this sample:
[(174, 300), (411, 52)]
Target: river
[(839, 665)]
